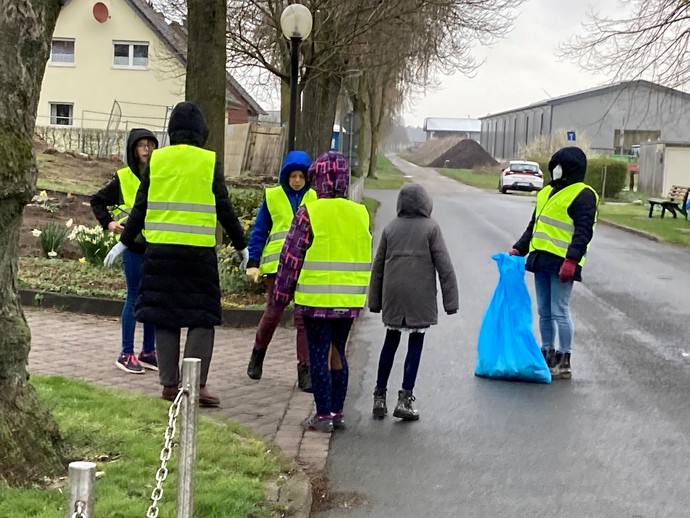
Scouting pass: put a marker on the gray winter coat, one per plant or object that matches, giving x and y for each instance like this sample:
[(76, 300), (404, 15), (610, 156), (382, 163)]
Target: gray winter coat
[(411, 251)]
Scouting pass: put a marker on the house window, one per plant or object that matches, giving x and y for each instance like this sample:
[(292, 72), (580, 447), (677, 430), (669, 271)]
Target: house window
[(61, 114), (62, 52), (130, 55)]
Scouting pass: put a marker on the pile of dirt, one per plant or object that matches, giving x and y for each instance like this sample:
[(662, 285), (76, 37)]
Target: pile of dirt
[(466, 154), (431, 149)]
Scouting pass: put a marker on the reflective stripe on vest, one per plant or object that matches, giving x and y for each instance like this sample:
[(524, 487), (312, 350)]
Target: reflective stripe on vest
[(337, 267), (279, 208), (129, 185), (553, 227), (181, 208)]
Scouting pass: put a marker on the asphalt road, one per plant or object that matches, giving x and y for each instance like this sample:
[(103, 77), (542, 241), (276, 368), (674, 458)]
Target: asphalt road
[(612, 442)]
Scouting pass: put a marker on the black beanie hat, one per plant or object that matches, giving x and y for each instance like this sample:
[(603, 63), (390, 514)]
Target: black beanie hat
[(187, 125)]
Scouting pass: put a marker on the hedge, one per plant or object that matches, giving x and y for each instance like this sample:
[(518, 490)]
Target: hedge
[(616, 174)]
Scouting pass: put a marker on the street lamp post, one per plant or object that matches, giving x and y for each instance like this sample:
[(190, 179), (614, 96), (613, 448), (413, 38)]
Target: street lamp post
[(296, 23)]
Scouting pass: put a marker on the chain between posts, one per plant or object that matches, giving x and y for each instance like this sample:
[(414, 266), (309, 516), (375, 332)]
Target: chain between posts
[(166, 452)]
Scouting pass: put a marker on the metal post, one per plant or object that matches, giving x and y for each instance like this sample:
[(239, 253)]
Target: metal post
[(191, 373), (603, 186), (294, 72), (82, 477)]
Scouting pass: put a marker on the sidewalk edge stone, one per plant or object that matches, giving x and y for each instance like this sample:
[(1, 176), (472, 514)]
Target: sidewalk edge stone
[(232, 317), (640, 233), (293, 496)]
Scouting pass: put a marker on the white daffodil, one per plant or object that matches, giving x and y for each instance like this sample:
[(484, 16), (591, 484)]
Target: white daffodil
[(52, 253), (69, 222), (36, 232)]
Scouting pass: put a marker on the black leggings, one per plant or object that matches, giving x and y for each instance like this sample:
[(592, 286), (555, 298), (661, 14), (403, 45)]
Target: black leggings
[(414, 354)]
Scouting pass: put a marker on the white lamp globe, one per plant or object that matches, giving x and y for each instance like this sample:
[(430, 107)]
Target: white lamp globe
[(296, 21)]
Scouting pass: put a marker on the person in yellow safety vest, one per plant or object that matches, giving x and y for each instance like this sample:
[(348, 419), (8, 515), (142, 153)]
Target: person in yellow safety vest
[(111, 206), (557, 239), (268, 235), (326, 264), (181, 198)]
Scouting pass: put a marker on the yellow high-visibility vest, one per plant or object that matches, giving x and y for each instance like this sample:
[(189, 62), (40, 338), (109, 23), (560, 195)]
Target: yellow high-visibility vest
[(129, 185), (553, 227), (181, 206), (337, 266), (280, 209)]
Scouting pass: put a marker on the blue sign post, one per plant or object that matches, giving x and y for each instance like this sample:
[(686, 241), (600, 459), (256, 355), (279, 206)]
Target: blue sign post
[(571, 136)]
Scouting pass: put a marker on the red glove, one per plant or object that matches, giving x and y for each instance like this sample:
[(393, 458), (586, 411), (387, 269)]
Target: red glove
[(567, 271), (513, 251)]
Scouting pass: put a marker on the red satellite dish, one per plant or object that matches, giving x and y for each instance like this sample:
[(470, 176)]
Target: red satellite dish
[(100, 12)]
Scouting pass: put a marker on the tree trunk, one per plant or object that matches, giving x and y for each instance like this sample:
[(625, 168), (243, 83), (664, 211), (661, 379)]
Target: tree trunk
[(30, 445), (362, 107), (378, 108), (206, 61), (320, 102)]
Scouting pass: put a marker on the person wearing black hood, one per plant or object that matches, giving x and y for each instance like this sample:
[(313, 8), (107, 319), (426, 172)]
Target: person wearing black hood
[(557, 239), (181, 198), (111, 206)]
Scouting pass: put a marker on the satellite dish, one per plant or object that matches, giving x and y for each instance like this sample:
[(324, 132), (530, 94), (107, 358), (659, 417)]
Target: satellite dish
[(100, 12)]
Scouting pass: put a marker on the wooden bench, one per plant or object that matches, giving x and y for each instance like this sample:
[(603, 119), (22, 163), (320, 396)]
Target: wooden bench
[(674, 202)]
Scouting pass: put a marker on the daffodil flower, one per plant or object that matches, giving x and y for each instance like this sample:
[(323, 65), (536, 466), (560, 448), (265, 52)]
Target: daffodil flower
[(69, 222), (36, 232), (52, 253), (43, 194), (82, 260)]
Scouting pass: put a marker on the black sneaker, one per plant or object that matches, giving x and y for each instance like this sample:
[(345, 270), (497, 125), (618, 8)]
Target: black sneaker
[(128, 363), (549, 357), (304, 377), (148, 360), (256, 364), (339, 422)]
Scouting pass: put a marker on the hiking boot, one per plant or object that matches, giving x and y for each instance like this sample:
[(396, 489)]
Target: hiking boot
[(256, 364), (148, 360), (549, 357), (318, 424), (128, 362), (561, 369), (207, 399), (339, 421), (404, 409), (304, 377), (169, 393), (380, 410)]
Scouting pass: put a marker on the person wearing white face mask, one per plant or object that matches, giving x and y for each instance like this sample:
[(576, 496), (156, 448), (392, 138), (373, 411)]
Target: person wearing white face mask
[(557, 239)]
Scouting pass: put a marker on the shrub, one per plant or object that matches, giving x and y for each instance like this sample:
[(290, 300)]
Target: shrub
[(232, 279), (51, 236), (616, 174), (246, 202), (93, 242)]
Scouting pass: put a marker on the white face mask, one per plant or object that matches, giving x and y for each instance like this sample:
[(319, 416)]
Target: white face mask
[(557, 172)]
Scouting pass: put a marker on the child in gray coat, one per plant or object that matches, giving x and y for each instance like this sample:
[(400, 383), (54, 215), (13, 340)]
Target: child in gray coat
[(403, 284)]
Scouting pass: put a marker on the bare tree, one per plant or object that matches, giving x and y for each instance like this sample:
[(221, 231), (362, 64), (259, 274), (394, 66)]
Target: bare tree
[(649, 42), (30, 445), (206, 74)]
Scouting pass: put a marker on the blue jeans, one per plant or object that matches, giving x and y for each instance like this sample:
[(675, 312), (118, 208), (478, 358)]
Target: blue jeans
[(132, 264), (553, 305)]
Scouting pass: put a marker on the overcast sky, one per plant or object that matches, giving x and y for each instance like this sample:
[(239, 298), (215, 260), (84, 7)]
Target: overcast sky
[(519, 69)]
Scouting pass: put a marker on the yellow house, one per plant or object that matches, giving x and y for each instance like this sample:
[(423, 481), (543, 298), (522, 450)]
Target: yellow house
[(117, 64)]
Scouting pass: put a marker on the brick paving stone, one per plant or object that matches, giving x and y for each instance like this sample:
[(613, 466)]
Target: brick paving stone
[(272, 407)]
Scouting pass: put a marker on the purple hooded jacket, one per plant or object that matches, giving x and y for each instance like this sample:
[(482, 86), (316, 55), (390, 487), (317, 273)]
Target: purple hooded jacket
[(329, 176)]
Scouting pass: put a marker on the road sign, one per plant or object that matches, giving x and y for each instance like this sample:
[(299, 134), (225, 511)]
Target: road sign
[(571, 136)]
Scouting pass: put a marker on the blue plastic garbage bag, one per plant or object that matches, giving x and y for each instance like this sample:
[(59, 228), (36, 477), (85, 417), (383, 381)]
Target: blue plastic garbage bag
[(507, 348)]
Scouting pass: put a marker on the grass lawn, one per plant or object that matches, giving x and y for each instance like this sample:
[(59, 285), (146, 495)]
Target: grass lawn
[(480, 179), (389, 176), (123, 434), (372, 206), (636, 216)]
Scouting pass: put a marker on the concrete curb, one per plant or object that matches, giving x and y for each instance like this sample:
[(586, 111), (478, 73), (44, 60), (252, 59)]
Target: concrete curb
[(640, 233), (233, 317), (292, 496)]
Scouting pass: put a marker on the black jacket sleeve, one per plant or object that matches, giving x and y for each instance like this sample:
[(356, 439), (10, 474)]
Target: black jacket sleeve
[(583, 212), (225, 211), (522, 244), (107, 197), (135, 221)]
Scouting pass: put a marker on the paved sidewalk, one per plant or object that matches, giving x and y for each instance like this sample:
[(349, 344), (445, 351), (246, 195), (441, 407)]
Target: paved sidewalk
[(86, 347)]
